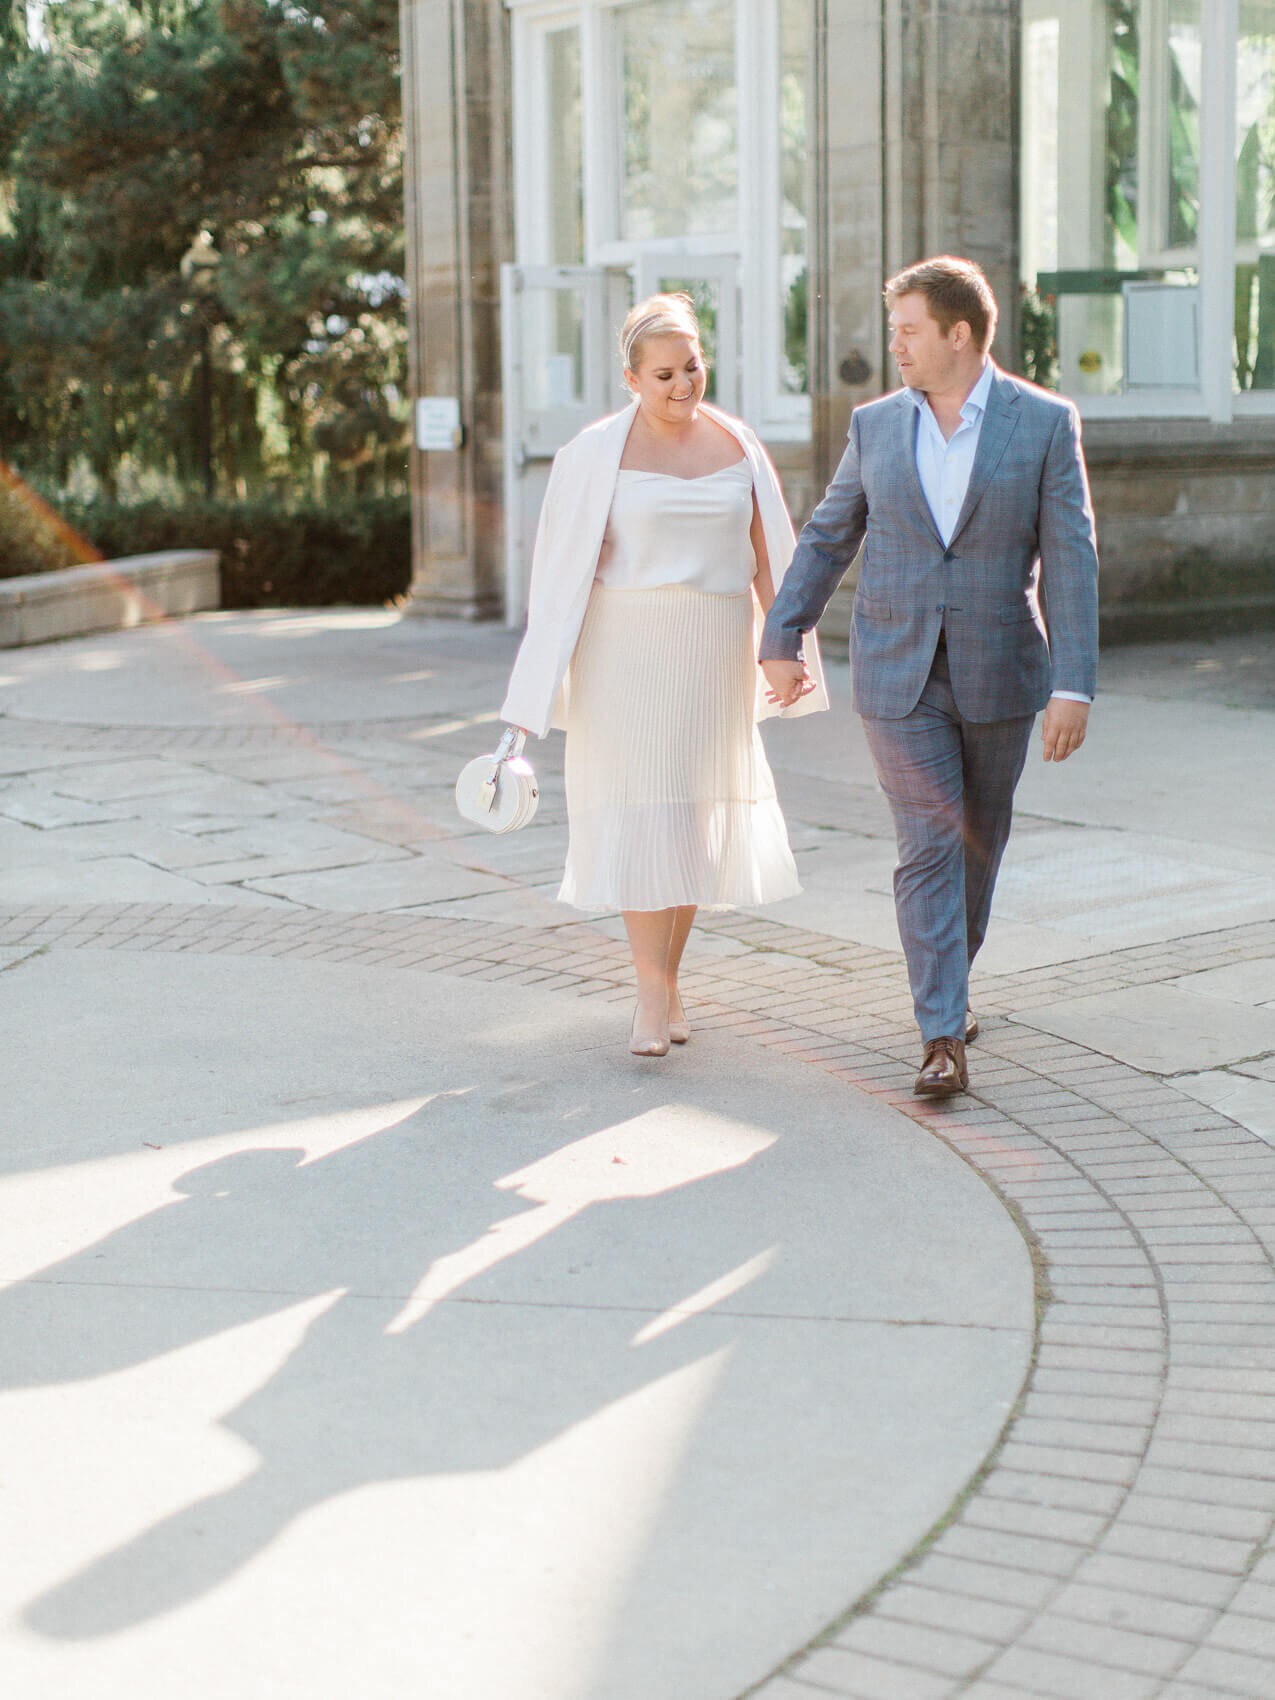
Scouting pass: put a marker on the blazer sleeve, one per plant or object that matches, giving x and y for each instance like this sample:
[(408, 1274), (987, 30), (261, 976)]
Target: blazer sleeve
[(533, 683), (828, 543), (1069, 561), (779, 549)]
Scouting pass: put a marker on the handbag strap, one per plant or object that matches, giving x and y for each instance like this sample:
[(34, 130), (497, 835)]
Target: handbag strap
[(510, 745)]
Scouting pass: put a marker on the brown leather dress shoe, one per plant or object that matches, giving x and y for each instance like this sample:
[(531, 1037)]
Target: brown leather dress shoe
[(943, 1069), (971, 1027)]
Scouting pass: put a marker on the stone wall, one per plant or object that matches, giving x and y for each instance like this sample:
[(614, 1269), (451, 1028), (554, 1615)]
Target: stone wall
[(108, 595), (1186, 525)]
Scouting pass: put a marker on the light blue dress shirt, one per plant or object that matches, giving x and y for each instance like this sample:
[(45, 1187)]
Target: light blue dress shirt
[(944, 464)]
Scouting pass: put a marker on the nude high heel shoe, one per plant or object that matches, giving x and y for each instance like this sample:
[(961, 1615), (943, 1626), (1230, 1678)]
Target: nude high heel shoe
[(679, 1030), (646, 1045)]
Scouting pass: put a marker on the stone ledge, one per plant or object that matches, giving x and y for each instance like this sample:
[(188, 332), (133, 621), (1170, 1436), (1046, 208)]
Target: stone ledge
[(1166, 619), (1194, 444), (107, 596)]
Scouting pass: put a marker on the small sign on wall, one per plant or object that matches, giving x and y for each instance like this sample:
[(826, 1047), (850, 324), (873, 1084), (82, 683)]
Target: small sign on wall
[(438, 422)]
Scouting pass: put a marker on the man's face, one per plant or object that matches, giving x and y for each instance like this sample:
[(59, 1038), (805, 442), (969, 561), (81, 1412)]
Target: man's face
[(926, 355)]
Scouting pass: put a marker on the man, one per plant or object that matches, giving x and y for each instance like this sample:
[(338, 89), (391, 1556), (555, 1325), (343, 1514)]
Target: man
[(968, 487)]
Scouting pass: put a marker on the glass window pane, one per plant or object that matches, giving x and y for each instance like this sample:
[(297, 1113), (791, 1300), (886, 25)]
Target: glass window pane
[(1255, 198), (553, 349), (566, 175), (1184, 76), (679, 150), (1111, 183), (795, 48)]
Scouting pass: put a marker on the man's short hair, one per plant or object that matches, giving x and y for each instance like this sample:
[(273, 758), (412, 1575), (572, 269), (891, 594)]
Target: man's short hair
[(954, 289)]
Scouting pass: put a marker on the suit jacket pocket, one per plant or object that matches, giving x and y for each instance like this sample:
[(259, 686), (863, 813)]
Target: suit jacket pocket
[(1017, 614), (870, 607)]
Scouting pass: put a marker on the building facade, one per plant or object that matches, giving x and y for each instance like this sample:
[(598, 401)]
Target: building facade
[(1110, 163)]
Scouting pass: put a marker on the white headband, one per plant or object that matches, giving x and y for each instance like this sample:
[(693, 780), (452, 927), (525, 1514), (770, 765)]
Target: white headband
[(644, 324)]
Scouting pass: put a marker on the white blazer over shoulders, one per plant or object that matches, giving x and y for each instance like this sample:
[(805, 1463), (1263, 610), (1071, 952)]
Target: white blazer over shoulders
[(573, 521)]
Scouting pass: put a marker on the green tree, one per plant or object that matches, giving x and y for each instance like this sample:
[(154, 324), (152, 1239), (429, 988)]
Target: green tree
[(201, 242)]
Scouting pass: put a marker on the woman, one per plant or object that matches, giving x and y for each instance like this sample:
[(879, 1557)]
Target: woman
[(663, 536)]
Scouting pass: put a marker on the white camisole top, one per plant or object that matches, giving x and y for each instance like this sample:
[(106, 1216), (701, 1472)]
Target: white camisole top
[(692, 532)]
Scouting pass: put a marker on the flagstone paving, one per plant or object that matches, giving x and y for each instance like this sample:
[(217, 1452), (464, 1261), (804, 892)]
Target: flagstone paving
[(1113, 1533)]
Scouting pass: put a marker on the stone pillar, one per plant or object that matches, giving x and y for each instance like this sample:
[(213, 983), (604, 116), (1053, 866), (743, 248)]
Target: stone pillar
[(847, 347), (456, 111), (915, 153), (952, 140)]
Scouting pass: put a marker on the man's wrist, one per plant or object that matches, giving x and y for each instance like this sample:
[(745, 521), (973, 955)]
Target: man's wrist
[(780, 646)]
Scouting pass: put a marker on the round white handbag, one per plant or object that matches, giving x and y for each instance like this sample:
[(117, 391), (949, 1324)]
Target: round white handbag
[(498, 792)]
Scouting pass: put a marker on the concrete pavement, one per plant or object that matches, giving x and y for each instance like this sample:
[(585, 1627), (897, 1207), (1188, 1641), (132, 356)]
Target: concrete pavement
[(376, 1326)]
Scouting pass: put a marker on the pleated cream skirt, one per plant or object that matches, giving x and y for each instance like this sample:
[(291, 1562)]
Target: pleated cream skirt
[(670, 799)]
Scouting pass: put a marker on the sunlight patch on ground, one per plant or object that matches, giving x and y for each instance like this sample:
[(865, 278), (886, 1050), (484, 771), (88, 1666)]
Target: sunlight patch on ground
[(444, 728), (92, 1199), (249, 687), (159, 1446), (446, 1571), (656, 1152), (271, 625), (713, 1294)]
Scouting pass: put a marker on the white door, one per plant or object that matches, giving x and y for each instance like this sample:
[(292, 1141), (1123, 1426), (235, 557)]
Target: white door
[(560, 370), (712, 281)]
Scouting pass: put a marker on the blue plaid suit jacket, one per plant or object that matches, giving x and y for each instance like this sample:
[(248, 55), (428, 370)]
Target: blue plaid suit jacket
[(1015, 592)]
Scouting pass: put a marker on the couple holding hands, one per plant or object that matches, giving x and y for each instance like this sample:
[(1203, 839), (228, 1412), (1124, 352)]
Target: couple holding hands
[(666, 569)]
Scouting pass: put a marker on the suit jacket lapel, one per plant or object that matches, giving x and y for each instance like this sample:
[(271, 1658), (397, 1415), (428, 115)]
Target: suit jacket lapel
[(908, 423), (999, 423)]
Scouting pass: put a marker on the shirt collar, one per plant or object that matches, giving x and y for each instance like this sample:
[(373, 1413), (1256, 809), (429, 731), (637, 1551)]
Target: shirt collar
[(975, 402)]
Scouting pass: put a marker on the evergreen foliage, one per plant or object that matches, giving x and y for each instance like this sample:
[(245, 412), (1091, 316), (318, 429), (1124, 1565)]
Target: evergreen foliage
[(201, 246), (303, 557)]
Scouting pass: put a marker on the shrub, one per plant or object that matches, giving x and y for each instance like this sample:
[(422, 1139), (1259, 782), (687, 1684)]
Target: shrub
[(32, 539), (272, 557)]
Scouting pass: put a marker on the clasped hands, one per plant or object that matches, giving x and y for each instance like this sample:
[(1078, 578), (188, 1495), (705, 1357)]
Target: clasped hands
[(788, 681), (1062, 732)]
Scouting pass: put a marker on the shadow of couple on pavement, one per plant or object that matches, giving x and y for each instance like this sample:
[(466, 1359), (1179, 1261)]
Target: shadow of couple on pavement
[(462, 1330)]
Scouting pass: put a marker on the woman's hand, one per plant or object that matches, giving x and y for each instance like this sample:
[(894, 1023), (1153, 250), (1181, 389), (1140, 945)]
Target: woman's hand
[(788, 681)]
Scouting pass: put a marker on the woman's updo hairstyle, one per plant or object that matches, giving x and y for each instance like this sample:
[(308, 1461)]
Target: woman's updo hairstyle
[(658, 315)]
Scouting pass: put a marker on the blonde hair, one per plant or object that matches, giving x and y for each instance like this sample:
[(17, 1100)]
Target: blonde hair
[(658, 315)]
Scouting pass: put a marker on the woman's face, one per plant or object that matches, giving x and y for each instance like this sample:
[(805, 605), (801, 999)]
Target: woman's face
[(670, 379)]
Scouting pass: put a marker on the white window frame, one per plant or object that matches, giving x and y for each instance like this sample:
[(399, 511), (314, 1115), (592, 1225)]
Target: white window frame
[(1216, 398), (754, 240)]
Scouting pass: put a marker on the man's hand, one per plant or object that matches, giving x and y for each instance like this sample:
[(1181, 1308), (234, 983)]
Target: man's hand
[(1063, 731), (788, 681)]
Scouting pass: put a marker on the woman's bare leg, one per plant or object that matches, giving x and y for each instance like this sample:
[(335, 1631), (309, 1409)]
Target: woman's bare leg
[(650, 939), (683, 919)]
